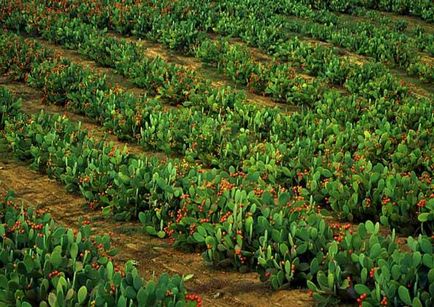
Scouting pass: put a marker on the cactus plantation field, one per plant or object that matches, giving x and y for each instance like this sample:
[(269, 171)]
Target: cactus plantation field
[(216, 153)]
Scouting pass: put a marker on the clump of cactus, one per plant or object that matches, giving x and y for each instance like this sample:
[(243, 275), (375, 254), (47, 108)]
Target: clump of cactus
[(46, 264)]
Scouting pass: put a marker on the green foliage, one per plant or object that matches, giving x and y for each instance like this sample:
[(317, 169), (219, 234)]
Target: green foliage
[(9, 106), (365, 156), (43, 263)]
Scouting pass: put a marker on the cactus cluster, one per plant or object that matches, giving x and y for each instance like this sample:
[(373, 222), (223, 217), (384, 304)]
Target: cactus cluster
[(45, 264), (362, 152), (285, 242)]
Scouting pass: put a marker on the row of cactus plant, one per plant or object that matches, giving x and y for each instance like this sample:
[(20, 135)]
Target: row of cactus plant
[(143, 120), (173, 83), (285, 241), (279, 81), (271, 29), (276, 80), (422, 9), (264, 120)]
